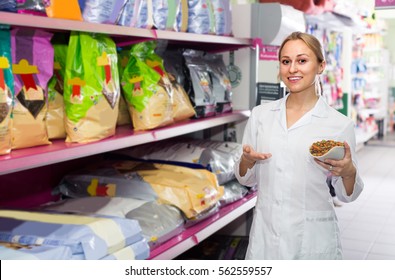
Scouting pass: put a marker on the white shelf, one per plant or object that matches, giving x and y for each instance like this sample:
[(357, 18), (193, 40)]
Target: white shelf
[(364, 136), (60, 151)]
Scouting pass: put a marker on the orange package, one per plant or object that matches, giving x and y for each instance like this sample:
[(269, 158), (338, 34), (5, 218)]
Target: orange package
[(67, 9)]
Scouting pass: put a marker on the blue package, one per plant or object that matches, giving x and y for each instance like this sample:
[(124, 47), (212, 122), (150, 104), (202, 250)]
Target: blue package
[(198, 17)]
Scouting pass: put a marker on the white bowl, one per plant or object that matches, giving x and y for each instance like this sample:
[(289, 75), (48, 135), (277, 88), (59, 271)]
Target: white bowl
[(336, 153)]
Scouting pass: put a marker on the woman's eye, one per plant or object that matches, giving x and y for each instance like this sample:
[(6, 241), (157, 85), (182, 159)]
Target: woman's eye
[(302, 61), (285, 62)]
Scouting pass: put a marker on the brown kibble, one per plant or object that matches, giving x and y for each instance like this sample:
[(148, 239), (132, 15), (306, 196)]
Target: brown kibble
[(320, 148)]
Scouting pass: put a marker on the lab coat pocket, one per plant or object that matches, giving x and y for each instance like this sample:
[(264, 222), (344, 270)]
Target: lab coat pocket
[(321, 237)]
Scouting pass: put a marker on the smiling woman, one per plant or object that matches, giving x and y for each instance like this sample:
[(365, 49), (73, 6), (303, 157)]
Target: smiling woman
[(294, 214)]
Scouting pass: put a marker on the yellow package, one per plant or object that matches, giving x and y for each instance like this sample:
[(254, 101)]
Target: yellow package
[(193, 191)]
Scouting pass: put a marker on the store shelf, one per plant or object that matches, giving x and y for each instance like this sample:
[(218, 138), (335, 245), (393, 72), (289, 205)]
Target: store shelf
[(60, 151), (197, 233), (364, 136), (125, 35)]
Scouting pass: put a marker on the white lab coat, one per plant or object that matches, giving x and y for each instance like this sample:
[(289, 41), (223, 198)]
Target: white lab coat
[(294, 217)]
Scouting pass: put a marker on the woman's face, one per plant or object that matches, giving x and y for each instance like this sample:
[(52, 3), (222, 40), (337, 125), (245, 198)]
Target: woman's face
[(299, 67)]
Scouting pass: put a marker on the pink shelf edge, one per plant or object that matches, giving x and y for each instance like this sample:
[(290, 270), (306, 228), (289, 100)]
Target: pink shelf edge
[(191, 232), (60, 151), (25, 20)]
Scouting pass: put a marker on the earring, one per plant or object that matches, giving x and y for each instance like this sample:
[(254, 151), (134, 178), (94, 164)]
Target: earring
[(317, 85)]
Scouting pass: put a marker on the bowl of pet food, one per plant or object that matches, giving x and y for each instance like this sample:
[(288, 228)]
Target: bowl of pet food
[(327, 149)]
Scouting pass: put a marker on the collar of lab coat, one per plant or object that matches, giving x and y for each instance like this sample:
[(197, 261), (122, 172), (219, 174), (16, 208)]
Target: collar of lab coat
[(320, 109)]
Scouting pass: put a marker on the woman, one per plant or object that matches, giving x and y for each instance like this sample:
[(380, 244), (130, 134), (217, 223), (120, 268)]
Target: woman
[(294, 215)]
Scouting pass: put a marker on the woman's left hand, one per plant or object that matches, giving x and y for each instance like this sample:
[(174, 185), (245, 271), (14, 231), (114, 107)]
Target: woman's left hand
[(343, 168)]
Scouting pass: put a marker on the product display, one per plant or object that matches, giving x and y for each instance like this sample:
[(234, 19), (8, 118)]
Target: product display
[(32, 66), (191, 190), (67, 9), (92, 90), (55, 116), (217, 156), (159, 221), (6, 92), (201, 90), (146, 90), (88, 237)]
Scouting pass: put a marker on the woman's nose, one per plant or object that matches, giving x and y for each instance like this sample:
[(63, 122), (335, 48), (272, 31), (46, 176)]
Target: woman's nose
[(293, 68)]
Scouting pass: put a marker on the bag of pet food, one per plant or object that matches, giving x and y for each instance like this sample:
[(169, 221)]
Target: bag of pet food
[(32, 57), (67, 9), (8, 5), (181, 105), (34, 7), (201, 89), (126, 13), (170, 15), (145, 90), (123, 114), (199, 12), (222, 88), (6, 92), (102, 11), (222, 17), (182, 16), (55, 115), (91, 89), (143, 15), (173, 62)]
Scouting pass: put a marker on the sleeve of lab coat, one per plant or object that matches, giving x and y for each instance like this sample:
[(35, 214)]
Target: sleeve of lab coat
[(249, 137), (337, 182)]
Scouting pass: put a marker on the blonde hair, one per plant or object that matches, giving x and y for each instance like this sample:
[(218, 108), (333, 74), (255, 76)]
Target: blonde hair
[(313, 44)]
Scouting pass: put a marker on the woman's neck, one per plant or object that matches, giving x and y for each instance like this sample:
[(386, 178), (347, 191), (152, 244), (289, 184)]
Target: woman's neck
[(301, 101)]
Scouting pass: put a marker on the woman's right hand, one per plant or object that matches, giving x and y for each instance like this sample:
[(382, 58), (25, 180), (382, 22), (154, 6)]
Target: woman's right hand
[(250, 156)]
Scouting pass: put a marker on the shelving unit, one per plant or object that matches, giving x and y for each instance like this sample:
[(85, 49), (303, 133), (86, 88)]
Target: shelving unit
[(125, 137), (370, 86), (124, 35), (195, 234), (40, 158)]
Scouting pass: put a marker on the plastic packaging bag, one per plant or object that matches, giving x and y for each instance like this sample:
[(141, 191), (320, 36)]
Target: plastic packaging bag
[(92, 91), (67, 9), (32, 56), (102, 11), (6, 92), (55, 116), (145, 92)]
